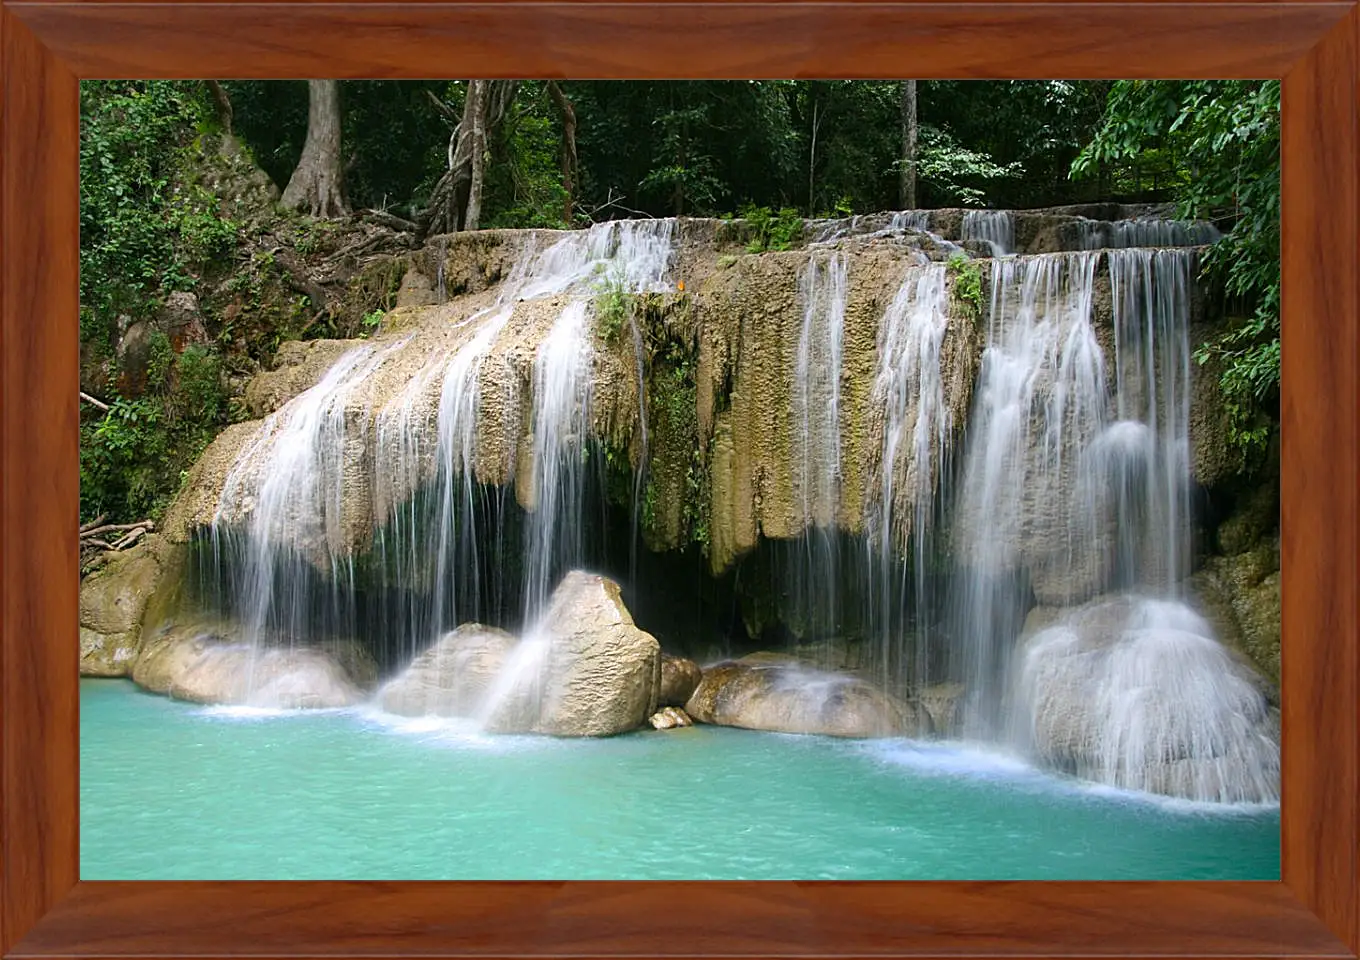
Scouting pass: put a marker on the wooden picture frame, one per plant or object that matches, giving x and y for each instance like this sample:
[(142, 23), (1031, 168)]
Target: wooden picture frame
[(46, 47)]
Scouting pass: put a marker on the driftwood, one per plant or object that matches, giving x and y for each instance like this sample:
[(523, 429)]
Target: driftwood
[(92, 524), (391, 221), (95, 535)]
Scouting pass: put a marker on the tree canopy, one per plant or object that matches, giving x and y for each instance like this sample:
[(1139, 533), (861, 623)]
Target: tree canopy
[(441, 154)]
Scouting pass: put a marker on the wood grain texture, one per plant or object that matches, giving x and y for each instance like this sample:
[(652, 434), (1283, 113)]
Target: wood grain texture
[(678, 39), (1320, 437), (1313, 913), (39, 480), (677, 919)]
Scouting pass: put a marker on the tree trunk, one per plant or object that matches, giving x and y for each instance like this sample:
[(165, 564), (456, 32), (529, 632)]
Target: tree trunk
[(910, 132), (477, 96), (453, 205), (317, 185), (812, 161), (569, 161), (222, 104)]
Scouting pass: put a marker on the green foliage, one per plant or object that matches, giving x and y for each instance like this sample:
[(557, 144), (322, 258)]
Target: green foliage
[(771, 231), (966, 277), (147, 229), (614, 305), (524, 182), (133, 459), (1222, 142), (372, 320), (956, 172), (144, 231)]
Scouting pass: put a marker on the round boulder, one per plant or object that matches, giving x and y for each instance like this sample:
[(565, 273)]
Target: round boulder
[(451, 678), (679, 679), (208, 664), (1136, 693), (785, 697)]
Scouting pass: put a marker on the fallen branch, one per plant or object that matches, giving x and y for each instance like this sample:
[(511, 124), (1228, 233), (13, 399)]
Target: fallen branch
[(101, 544), (93, 402), (389, 220), (130, 539), (93, 524), (145, 525)]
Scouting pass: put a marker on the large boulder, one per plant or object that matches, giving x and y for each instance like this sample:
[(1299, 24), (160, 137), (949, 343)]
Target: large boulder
[(1138, 694), (208, 663), (453, 677), (679, 678), (785, 696), (585, 670)]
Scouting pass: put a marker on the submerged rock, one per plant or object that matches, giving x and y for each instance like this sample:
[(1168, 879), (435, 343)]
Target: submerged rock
[(451, 678), (679, 678), (670, 718), (941, 703), (207, 663), (1137, 694), (782, 696)]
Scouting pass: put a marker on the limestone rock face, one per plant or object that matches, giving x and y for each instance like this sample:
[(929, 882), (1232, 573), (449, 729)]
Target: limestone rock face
[(113, 599), (785, 697), (107, 654), (206, 663), (453, 677), (113, 603), (299, 364), (1240, 595), (679, 678), (941, 704), (1137, 694)]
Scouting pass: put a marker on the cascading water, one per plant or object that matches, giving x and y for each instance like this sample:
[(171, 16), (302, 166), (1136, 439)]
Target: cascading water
[(288, 485), (1039, 399), (909, 388), (996, 228), (1150, 291), (1098, 234), (1073, 482), (562, 369), (816, 396), (1076, 482), (281, 512)]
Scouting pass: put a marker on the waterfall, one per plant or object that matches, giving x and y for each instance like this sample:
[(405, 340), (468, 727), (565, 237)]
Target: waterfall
[(562, 368), (1146, 232), (288, 483), (816, 402), (1150, 455), (996, 228), (1076, 482), (909, 388), (284, 522), (1039, 399)]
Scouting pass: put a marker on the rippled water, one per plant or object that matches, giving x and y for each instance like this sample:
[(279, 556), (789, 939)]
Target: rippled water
[(174, 791)]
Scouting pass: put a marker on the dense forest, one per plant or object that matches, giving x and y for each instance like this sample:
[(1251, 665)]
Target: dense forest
[(217, 217)]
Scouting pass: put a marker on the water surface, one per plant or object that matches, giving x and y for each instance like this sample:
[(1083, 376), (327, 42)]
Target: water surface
[(175, 791)]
